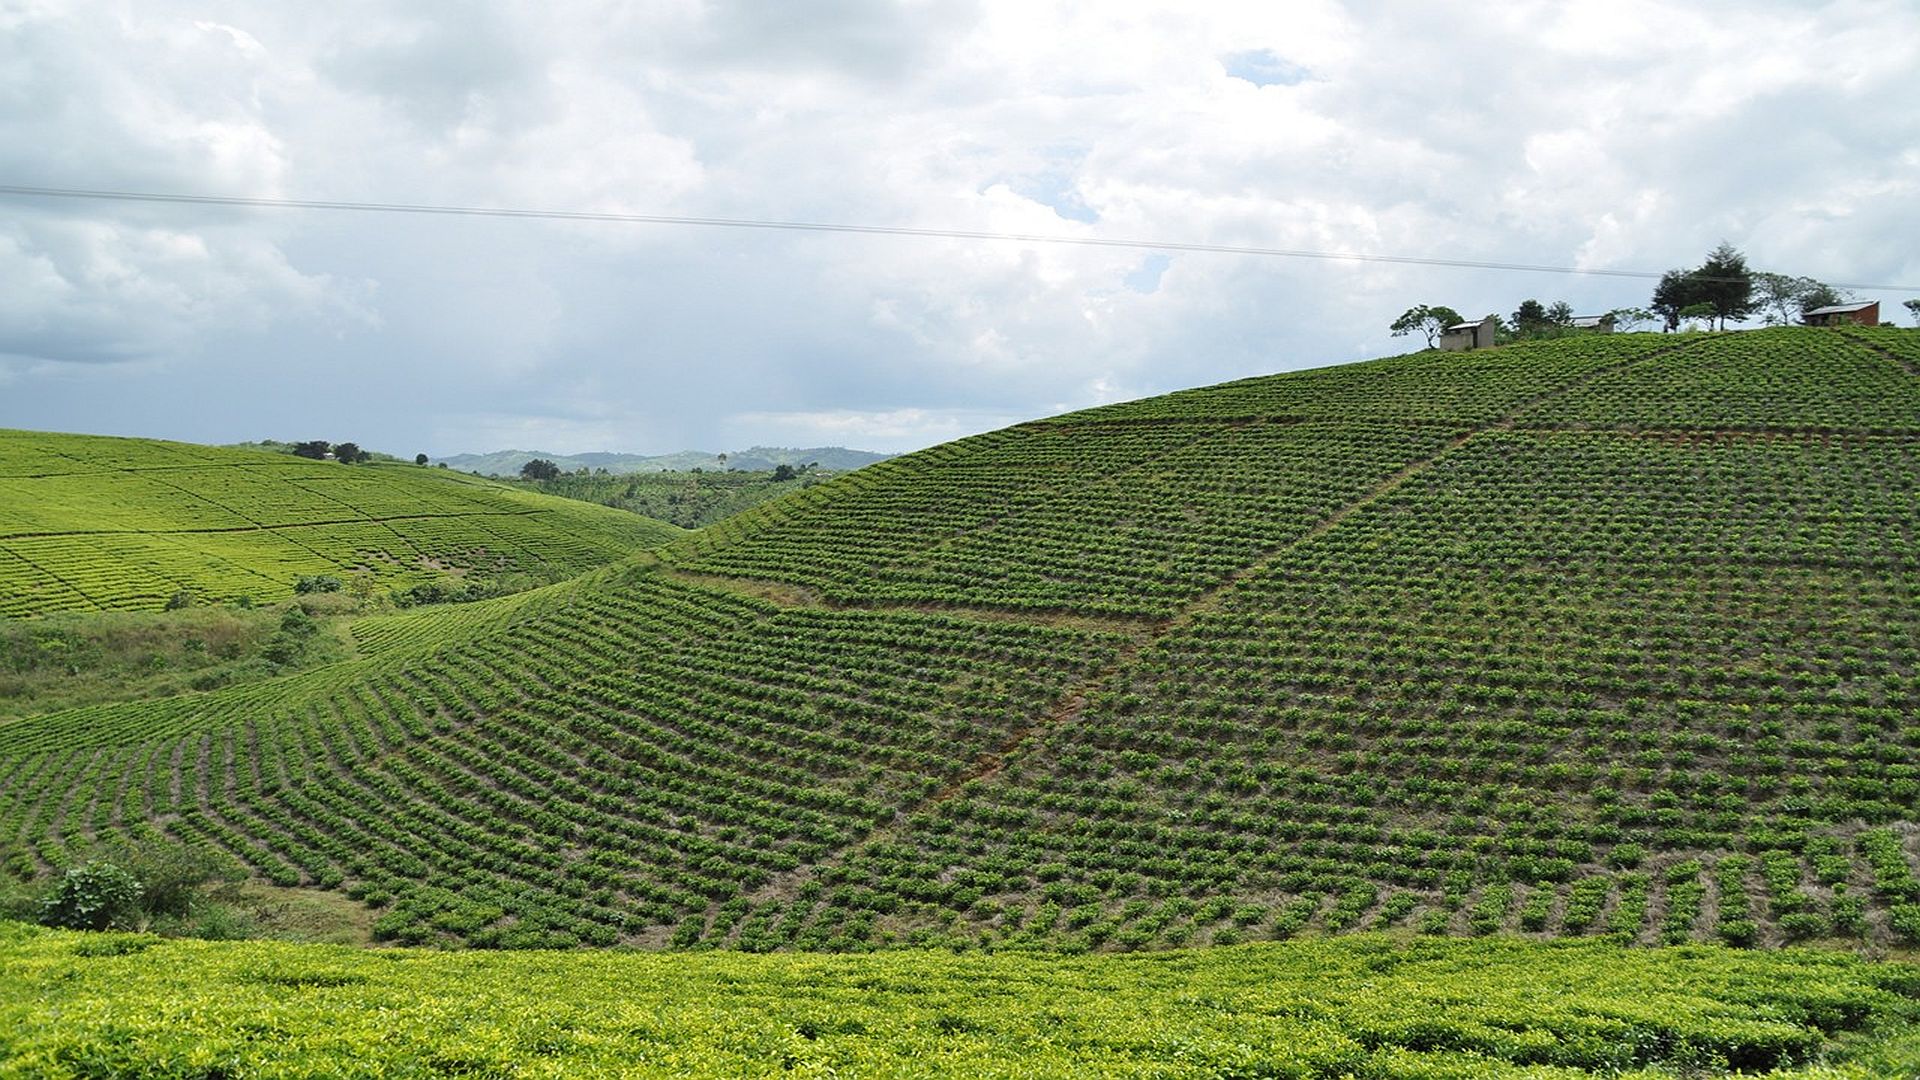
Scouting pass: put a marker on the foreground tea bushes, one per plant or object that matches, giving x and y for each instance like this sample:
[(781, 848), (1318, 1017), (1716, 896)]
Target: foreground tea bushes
[(75, 1005)]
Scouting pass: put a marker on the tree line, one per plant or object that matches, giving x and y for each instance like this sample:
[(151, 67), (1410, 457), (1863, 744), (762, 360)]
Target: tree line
[(1722, 288), (344, 452)]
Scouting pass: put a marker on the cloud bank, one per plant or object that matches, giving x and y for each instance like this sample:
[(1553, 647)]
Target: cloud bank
[(1619, 135)]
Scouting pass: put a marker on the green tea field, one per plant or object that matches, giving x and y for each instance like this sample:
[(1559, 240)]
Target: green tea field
[(76, 1005), (89, 523), (1607, 636)]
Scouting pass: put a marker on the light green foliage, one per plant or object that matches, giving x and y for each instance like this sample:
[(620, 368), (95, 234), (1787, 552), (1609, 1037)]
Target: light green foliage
[(92, 523), (75, 1005)]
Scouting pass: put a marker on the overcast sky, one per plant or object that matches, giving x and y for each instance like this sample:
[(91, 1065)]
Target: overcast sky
[(1608, 135)]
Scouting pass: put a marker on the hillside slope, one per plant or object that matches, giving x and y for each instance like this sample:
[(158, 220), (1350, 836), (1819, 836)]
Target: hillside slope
[(97, 523), (1606, 635)]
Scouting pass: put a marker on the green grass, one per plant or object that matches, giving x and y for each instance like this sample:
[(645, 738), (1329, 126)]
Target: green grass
[(89, 523), (1595, 637), (75, 1005), (72, 659)]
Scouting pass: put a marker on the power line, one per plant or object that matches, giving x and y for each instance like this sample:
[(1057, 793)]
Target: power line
[(835, 227)]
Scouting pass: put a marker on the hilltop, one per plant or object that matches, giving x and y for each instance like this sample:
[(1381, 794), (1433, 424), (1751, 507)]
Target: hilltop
[(1616, 634), (97, 523), (755, 459)]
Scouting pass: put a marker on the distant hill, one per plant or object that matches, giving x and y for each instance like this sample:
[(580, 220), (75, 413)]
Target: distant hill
[(1616, 635), (98, 523), (688, 499), (755, 459)]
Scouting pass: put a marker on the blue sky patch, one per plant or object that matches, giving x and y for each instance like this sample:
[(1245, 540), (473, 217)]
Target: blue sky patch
[(1264, 67)]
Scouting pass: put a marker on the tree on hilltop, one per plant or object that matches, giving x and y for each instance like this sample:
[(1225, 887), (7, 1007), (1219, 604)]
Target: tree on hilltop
[(1725, 283), (419, 459), (1785, 299), (1428, 320), (317, 449), (347, 453), (1821, 296), (539, 469), (1530, 316), (1627, 319), (1913, 308), (1672, 296)]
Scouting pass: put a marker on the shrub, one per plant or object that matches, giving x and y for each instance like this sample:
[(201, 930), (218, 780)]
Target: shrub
[(318, 583), (94, 896)]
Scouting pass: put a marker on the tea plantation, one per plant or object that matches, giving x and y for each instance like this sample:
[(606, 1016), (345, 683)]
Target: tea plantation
[(90, 523), (83, 1005), (1610, 636)]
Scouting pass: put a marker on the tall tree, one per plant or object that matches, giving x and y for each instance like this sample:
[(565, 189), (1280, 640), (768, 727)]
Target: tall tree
[(1629, 318), (1779, 296), (1913, 308), (1530, 318), (313, 448), (1785, 299), (539, 469), (1427, 320), (1819, 296), (1725, 283), (1673, 295)]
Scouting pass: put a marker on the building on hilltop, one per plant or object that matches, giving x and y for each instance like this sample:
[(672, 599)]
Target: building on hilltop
[(1593, 324), (1863, 313), (1467, 336)]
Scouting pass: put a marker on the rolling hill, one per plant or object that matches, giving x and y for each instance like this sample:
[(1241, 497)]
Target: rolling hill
[(755, 459), (97, 523), (1609, 635)]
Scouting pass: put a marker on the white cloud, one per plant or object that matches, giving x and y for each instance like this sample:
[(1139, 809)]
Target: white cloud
[(1632, 134)]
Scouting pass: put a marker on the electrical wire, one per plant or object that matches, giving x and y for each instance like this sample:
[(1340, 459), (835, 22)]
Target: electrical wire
[(22, 190)]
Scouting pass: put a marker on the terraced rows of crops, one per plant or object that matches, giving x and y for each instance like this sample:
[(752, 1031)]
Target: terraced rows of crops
[(597, 772), (1458, 644), (94, 523), (1551, 671), (1131, 509)]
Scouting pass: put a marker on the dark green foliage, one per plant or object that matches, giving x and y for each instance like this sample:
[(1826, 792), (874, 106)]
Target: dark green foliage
[(1719, 289), (539, 469), (317, 583), (1672, 296), (93, 896)]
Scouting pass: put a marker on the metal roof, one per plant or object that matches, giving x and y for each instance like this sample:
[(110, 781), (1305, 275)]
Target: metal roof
[(1842, 309)]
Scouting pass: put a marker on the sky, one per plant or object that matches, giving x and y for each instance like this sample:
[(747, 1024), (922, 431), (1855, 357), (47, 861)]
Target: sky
[(1617, 135)]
